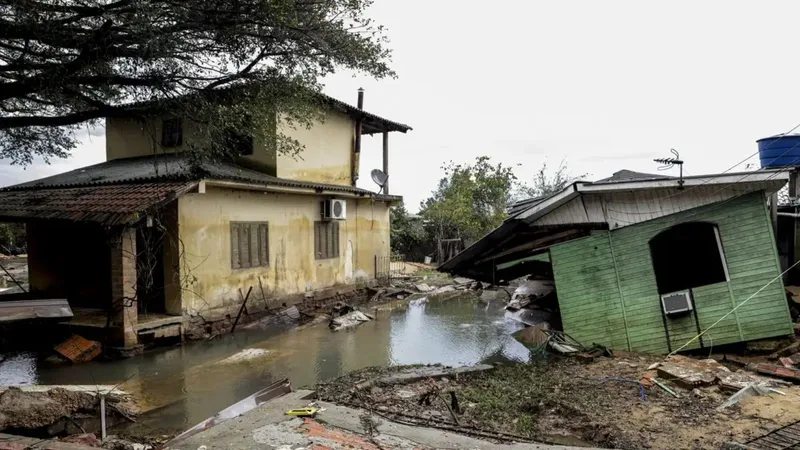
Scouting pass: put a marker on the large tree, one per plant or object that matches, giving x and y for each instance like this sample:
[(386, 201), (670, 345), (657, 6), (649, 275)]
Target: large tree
[(224, 63), (470, 200)]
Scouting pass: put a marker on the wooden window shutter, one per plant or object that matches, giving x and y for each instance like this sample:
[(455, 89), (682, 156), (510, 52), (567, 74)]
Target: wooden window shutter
[(263, 243), (329, 239), (244, 243), (254, 247), (335, 240), (235, 246), (317, 254)]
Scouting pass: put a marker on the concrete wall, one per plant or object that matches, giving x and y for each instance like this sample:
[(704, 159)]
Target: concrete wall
[(327, 157), (211, 285), (126, 138)]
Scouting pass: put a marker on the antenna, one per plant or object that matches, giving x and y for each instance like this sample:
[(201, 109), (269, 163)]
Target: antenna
[(669, 163), (378, 177)]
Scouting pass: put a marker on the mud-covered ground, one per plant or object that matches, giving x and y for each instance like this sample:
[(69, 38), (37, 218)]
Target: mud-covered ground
[(565, 401)]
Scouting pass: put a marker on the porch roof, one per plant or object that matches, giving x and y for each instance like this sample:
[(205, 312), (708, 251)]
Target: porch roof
[(118, 204)]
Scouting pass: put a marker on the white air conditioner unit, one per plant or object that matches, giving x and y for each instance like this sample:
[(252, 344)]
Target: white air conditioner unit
[(676, 302), (333, 209)]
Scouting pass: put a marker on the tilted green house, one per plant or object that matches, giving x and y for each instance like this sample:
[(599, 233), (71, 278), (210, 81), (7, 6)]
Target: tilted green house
[(644, 262)]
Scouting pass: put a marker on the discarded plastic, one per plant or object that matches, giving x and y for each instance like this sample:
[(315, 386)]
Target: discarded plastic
[(748, 391), (664, 387), (303, 412)]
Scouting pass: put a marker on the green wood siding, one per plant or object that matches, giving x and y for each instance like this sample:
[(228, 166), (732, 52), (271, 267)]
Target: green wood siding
[(607, 288)]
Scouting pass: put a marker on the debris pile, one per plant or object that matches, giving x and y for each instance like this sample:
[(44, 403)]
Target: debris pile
[(59, 410)]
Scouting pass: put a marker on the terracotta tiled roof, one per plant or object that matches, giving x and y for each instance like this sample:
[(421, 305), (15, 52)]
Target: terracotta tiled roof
[(110, 204)]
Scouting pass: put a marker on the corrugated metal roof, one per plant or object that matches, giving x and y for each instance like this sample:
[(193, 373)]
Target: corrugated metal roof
[(368, 126), (174, 167), (630, 175), (108, 204)]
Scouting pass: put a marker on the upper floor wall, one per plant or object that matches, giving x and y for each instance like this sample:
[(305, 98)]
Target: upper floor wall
[(326, 158), (328, 154)]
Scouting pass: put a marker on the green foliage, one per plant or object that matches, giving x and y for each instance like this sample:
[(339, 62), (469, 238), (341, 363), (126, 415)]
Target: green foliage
[(12, 237), (470, 200), (68, 63), (407, 233), (546, 183)]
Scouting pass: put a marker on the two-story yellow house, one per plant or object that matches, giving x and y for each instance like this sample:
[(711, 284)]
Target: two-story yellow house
[(152, 243)]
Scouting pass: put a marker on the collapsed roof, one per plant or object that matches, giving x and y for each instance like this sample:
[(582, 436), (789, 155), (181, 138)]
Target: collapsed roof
[(624, 199)]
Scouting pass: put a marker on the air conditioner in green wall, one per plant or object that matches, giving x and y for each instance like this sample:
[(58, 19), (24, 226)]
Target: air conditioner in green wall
[(677, 303)]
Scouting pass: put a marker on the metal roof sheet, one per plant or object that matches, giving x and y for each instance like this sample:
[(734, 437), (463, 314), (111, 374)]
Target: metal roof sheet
[(175, 167)]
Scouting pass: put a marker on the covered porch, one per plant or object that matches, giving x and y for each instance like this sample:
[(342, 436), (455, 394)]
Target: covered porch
[(111, 251)]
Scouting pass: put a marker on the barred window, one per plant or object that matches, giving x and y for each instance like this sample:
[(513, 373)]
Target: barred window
[(249, 244)]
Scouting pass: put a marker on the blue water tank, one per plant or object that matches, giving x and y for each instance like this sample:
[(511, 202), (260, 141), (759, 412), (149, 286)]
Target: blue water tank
[(779, 151)]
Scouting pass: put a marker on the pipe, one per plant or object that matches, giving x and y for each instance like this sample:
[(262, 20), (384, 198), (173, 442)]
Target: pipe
[(785, 214), (357, 146), (103, 417)]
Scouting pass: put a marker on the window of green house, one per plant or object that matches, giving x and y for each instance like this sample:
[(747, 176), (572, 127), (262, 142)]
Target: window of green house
[(326, 239), (688, 255), (249, 244)]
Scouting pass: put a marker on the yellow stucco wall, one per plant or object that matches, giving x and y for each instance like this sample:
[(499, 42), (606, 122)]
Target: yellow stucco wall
[(127, 138), (204, 222), (327, 156)]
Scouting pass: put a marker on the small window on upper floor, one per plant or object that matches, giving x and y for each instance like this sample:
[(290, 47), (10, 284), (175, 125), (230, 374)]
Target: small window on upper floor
[(172, 132), (240, 144), (688, 255)]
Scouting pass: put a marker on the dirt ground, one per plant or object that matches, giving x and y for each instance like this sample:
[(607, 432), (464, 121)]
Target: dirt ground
[(564, 401)]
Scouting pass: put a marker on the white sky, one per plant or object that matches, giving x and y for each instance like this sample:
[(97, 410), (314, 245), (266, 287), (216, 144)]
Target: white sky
[(605, 85)]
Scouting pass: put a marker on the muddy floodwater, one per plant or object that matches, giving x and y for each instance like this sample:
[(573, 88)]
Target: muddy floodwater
[(182, 385)]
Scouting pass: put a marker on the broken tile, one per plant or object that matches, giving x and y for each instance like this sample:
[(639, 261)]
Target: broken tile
[(778, 371)]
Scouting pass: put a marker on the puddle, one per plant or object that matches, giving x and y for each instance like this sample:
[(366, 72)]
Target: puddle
[(183, 385)]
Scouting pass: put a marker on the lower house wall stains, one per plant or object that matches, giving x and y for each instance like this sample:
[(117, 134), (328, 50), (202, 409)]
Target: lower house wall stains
[(210, 287), (607, 288)]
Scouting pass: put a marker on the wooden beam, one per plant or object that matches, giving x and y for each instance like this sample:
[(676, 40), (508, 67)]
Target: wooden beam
[(386, 161), (536, 244)]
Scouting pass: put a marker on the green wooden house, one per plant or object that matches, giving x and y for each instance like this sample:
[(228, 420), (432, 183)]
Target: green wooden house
[(645, 262)]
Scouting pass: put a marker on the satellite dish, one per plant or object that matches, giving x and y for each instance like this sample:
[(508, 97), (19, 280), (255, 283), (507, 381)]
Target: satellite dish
[(378, 177)]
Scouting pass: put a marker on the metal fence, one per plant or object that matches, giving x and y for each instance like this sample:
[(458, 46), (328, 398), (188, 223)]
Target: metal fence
[(388, 268)]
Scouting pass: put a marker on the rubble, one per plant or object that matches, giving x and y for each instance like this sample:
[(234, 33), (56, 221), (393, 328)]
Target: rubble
[(690, 373), (78, 349), (349, 320), (54, 410), (747, 391), (778, 371)]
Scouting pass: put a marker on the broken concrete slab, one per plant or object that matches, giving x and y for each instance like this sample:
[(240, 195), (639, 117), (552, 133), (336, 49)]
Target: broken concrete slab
[(415, 374), (423, 287), (336, 427), (690, 373), (349, 320)]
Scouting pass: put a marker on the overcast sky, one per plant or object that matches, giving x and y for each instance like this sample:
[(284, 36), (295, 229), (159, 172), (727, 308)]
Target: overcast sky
[(604, 85)]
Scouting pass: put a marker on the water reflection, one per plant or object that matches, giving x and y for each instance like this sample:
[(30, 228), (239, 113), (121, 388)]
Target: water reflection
[(186, 384)]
